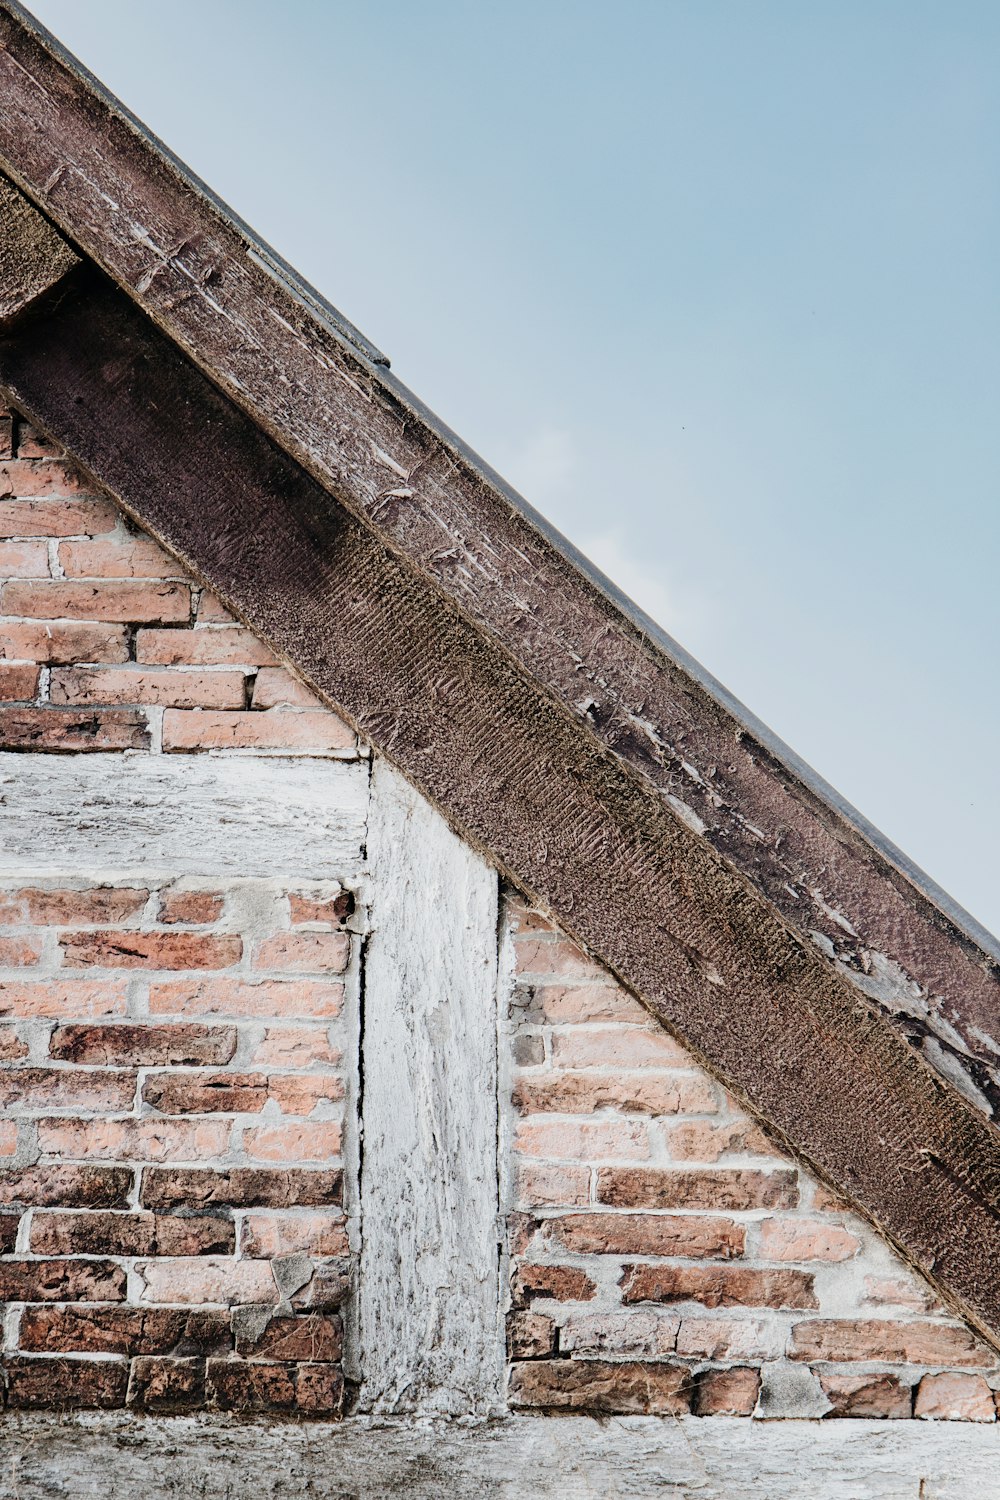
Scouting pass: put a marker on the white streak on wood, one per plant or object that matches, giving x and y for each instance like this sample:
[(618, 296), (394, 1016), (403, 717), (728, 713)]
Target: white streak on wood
[(117, 1457), (429, 1286), (194, 815)]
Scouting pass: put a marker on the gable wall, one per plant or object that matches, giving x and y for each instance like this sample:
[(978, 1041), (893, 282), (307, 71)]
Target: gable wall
[(186, 899)]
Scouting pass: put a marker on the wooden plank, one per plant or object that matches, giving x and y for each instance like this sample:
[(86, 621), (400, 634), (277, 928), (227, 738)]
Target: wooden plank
[(117, 1456), (302, 373), (34, 259), (431, 1338), (513, 772)]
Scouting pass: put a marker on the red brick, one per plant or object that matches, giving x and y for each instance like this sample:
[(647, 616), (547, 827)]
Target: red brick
[(582, 1141), (58, 643), (331, 910), (212, 611), (20, 952), (62, 997), (726, 1393), (183, 1332), (597, 1386), (313, 1336), (245, 1385), (68, 1088), (304, 952), (203, 1280), (530, 1335), (196, 907), (79, 729), (316, 1141), (9, 1224), (136, 1045), (150, 1139), (805, 1240), (233, 647), (240, 1187), (66, 1187), (328, 1290), (648, 1234), (61, 1281), (65, 908), (126, 557), (33, 444), (949, 1397), (24, 560), (723, 1188), (64, 1384), (129, 1233), (266, 1236), (892, 1342), (34, 477), (234, 997), (617, 1048), (299, 1093), (18, 684), (151, 950), (730, 1338), (277, 729), (295, 1047), (902, 1291), (634, 1093), (560, 1283), (11, 1046), (206, 1093), (167, 1385), (8, 1138), (718, 1286), (125, 602), (871, 1396), (54, 517), (549, 956), (163, 689), (276, 687), (6, 435), (540, 1185), (319, 1390), (699, 1140), (558, 1003)]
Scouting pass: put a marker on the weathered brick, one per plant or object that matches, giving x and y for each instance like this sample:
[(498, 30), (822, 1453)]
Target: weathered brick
[(212, 611), (277, 729), (316, 1141), (616, 1048), (539, 1185), (718, 1286), (91, 906), (295, 1047), (163, 689), (130, 1233), (204, 1280), (78, 729), (530, 1335), (196, 907), (726, 1393), (319, 1390), (114, 602), (276, 687), (34, 517), (63, 997), (34, 444), (250, 1385), (561, 1283), (700, 1140), (806, 1240), (558, 1003), (265, 1236), (332, 910), (64, 1384), (894, 1342), (133, 1140), (9, 1225), (300, 1093), (18, 682), (21, 476), (634, 1093), (723, 1188), (66, 1088), (12, 1048), (601, 1387), (20, 952), (950, 1397), (883, 1397), (136, 1045), (241, 1187), (205, 1093), (549, 956), (66, 1187), (313, 1336), (62, 642), (582, 1141), (150, 950), (24, 560), (182, 1332), (901, 1291), (234, 997), (731, 1338), (118, 557), (8, 1138), (647, 1334), (303, 952), (61, 1281), (166, 1385), (328, 1289), (692, 1236), (221, 646)]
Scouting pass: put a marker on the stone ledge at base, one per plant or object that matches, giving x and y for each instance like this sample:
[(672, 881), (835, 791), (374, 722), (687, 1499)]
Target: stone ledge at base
[(118, 1457)]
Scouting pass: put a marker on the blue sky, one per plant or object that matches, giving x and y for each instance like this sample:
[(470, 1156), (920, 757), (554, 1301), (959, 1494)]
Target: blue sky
[(713, 282)]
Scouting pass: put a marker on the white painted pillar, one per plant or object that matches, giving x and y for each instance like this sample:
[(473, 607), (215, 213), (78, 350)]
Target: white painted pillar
[(428, 1316)]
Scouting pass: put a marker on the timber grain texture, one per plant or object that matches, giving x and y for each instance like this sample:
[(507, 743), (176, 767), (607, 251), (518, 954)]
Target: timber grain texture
[(516, 775), (112, 1457), (302, 375), (34, 258), (429, 1289)]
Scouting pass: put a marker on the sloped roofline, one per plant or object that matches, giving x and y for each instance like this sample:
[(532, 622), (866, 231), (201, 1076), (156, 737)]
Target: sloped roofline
[(794, 904)]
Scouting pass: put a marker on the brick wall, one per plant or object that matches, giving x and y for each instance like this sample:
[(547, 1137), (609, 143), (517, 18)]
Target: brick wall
[(173, 1078), (667, 1257)]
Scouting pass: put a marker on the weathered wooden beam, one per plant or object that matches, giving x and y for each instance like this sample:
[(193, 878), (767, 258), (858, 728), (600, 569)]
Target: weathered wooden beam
[(34, 258), (309, 379), (516, 773)]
